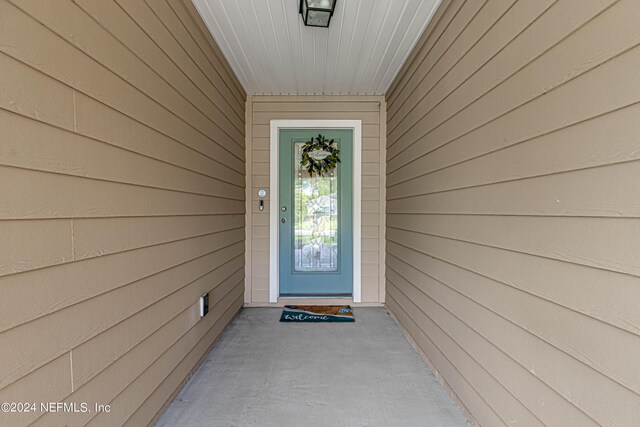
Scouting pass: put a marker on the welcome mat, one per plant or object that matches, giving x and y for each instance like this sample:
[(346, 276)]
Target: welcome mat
[(317, 313)]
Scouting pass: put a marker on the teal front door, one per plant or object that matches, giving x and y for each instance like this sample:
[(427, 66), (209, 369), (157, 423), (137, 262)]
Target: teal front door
[(315, 219)]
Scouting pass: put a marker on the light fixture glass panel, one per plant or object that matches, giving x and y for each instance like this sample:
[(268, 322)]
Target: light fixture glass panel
[(318, 19), (321, 4)]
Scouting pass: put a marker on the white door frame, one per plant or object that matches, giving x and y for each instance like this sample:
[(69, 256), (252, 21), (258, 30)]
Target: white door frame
[(274, 213)]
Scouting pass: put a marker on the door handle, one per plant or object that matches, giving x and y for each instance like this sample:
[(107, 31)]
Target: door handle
[(283, 220)]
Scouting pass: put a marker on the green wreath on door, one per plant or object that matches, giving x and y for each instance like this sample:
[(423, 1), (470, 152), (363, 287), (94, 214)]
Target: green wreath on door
[(320, 156)]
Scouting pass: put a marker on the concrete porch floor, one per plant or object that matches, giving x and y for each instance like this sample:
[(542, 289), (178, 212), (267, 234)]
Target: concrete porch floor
[(266, 373)]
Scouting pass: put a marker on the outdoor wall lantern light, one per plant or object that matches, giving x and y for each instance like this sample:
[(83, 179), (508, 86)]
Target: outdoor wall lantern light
[(317, 13)]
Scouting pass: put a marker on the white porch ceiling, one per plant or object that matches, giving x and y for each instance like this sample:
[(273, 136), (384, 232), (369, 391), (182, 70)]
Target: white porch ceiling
[(273, 53)]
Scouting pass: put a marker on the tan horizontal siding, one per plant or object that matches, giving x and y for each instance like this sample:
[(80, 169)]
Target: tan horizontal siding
[(262, 110), (49, 244), (368, 118), (491, 93), (458, 368), (164, 391), (50, 381), (35, 194), (131, 379), (47, 50), (58, 286), (37, 146), (511, 217), (23, 83), (122, 173), (368, 130), (92, 358), (102, 123), (317, 106), (101, 312)]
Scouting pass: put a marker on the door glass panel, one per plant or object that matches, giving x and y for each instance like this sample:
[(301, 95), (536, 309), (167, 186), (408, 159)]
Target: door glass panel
[(315, 212)]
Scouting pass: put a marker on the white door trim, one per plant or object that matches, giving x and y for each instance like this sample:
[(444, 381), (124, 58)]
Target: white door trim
[(276, 125)]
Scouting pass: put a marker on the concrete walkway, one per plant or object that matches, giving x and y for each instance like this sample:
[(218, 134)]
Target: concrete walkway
[(266, 373)]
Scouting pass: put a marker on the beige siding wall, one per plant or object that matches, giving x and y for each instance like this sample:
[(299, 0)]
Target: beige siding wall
[(122, 201), (260, 111), (513, 215)]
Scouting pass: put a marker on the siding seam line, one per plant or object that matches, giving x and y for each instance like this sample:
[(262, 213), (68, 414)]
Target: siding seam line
[(71, 367)]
